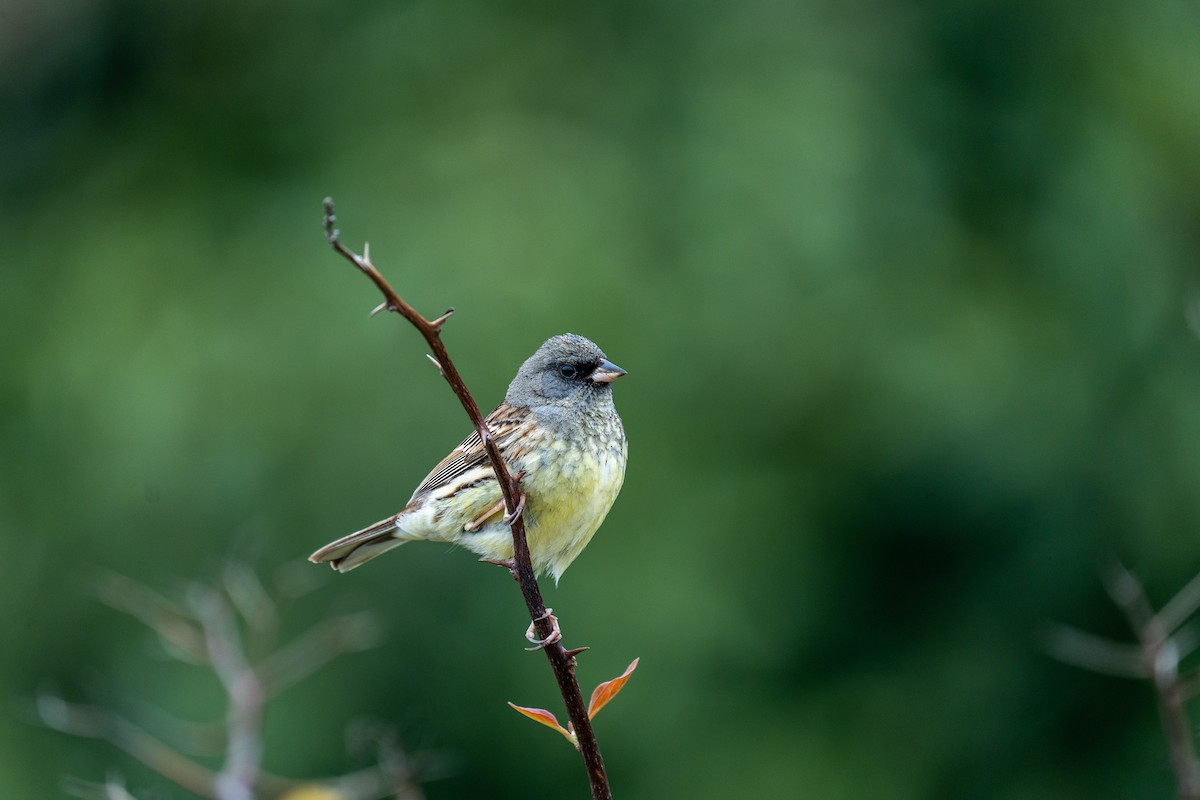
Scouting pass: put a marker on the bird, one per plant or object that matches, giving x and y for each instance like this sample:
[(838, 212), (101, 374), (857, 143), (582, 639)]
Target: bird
[(557, 425)]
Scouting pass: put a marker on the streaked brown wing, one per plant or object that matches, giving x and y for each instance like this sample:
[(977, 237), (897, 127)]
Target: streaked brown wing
[(506, 424)]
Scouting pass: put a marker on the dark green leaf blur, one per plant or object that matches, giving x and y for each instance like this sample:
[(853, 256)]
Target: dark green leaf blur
[(903, 291)]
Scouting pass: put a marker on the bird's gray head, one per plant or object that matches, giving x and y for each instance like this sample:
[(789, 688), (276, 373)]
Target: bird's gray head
[(565, 370)]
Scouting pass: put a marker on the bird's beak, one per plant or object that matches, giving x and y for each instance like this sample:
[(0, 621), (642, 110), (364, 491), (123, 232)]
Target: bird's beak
[(607, 372)]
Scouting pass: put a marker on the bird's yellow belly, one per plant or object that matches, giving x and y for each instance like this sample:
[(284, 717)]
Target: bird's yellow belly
[(568, 492)]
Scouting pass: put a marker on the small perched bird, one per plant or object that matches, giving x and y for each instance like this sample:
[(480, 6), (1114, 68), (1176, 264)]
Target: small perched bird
[(558, 424)]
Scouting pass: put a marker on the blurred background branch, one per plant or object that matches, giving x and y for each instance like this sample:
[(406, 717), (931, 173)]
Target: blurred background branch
[(213, 629), (1164, 640), (113, 788)]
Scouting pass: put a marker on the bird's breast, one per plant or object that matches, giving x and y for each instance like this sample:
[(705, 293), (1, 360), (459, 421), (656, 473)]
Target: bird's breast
[(570, 485)]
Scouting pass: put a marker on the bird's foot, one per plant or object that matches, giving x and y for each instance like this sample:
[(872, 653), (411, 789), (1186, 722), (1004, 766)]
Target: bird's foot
[(519, 511), (555, 632), (509, 519)]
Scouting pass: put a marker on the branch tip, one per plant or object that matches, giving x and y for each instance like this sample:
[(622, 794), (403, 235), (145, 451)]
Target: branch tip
[(331, 233)]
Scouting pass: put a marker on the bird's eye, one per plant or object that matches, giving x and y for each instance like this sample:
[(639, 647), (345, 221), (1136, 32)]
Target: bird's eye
[(567, 371)]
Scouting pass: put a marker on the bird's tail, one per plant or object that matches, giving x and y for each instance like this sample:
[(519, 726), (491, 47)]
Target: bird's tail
[(360, 547)]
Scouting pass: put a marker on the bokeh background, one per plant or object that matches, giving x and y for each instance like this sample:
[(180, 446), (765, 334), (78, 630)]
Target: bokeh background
[(902, 290)]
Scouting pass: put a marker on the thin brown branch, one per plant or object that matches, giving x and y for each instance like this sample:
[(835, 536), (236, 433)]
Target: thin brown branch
[(561, 660)]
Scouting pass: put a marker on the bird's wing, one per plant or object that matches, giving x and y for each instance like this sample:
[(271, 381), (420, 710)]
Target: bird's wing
[(468, 463)]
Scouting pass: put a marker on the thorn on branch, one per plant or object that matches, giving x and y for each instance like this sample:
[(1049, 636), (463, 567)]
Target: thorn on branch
[(381, 307), (507, 563), (437, 324), (437, 364)]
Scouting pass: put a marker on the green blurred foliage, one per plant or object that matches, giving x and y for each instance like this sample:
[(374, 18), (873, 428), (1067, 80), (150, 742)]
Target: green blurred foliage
[(900, 288)]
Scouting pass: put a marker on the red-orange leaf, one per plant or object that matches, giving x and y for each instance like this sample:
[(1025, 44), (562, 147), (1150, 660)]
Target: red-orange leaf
[(546, 718), (609, 689)]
